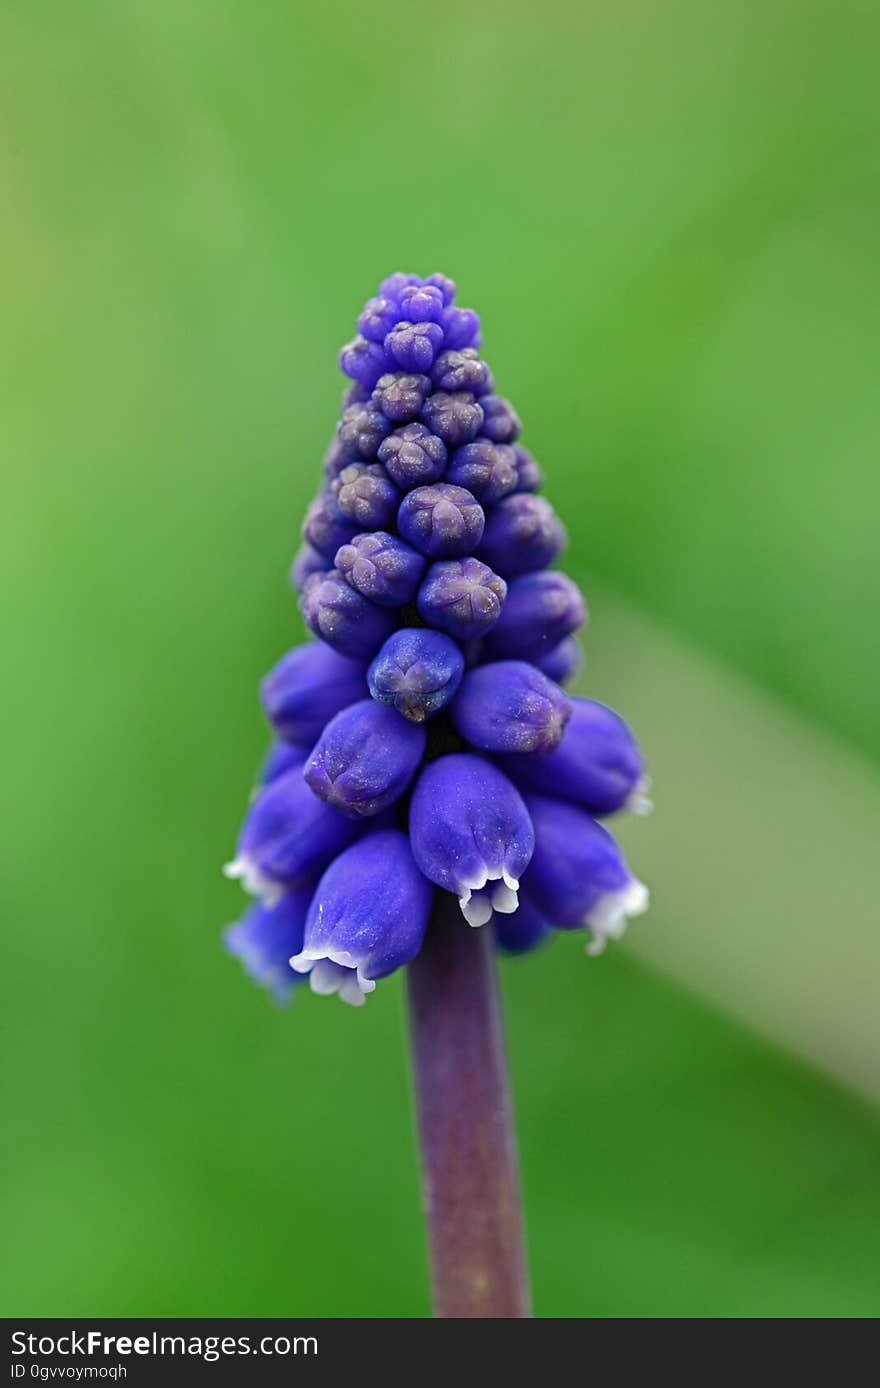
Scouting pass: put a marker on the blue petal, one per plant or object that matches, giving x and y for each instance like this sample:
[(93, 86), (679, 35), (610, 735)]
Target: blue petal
[(368, 917), (597, 764), (486, 469), (417, 672), (539, 611), (265, 938), (578, 876), (309, 685), (563, 661), (288, 838), (469, 829), (462, 597), (523, 533), (382, 568), (413, 456), (281, 758), (527, 928), (510, 706), (343, 617), (365, 758), (441, 521)]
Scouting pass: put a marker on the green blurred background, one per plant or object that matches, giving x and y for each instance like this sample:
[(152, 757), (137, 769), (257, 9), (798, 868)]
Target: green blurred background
[(667, 215)]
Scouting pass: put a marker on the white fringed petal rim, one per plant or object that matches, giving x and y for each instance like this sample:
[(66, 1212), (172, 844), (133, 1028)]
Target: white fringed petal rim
[(608, 918), (245, 870), (334, 971), (477, 903), (639, 801)]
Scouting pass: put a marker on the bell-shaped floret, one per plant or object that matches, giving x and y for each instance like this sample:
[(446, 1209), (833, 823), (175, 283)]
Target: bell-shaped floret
[(597, 764), (365, 759), (523, 533), (461, 327), (527, 928), (441, 521), (343, 617), (471, 833), (454, 416), (413, 456), (462, 597), (578, 875), (381, 567), (363, 361), (461, 369), (400, 395), (486, 469), (288, 838), (309, 685), (417, 672), (510, 706), (540, 610), (413, 346), (500, 419), (368, 917), (361, 431), (265, 938), (365, 496)]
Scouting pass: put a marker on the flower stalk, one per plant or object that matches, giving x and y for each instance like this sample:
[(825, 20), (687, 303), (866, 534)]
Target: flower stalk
[(470, 1175)]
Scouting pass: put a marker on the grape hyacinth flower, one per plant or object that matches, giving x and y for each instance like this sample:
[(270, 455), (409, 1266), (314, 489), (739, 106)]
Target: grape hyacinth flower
[(266, 937), (413, 456), (462, 597), (382, 568), (578, 875), (368, 917), (417, 671), (365, 758), (281, 757), (442, 521), (309, 685), (522, 534), (469, 828), (486, 469), (510, 706), (364, 495), (431, 790), (598, 764)]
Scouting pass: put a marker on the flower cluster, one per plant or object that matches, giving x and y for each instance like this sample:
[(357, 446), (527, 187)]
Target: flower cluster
[(423, 739)]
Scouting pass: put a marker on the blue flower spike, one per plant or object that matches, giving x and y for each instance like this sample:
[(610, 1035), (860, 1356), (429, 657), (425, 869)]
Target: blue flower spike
[(423, 742)]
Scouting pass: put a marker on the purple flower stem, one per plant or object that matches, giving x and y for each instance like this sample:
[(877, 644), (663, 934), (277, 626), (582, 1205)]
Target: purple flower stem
[(470, 1176)]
